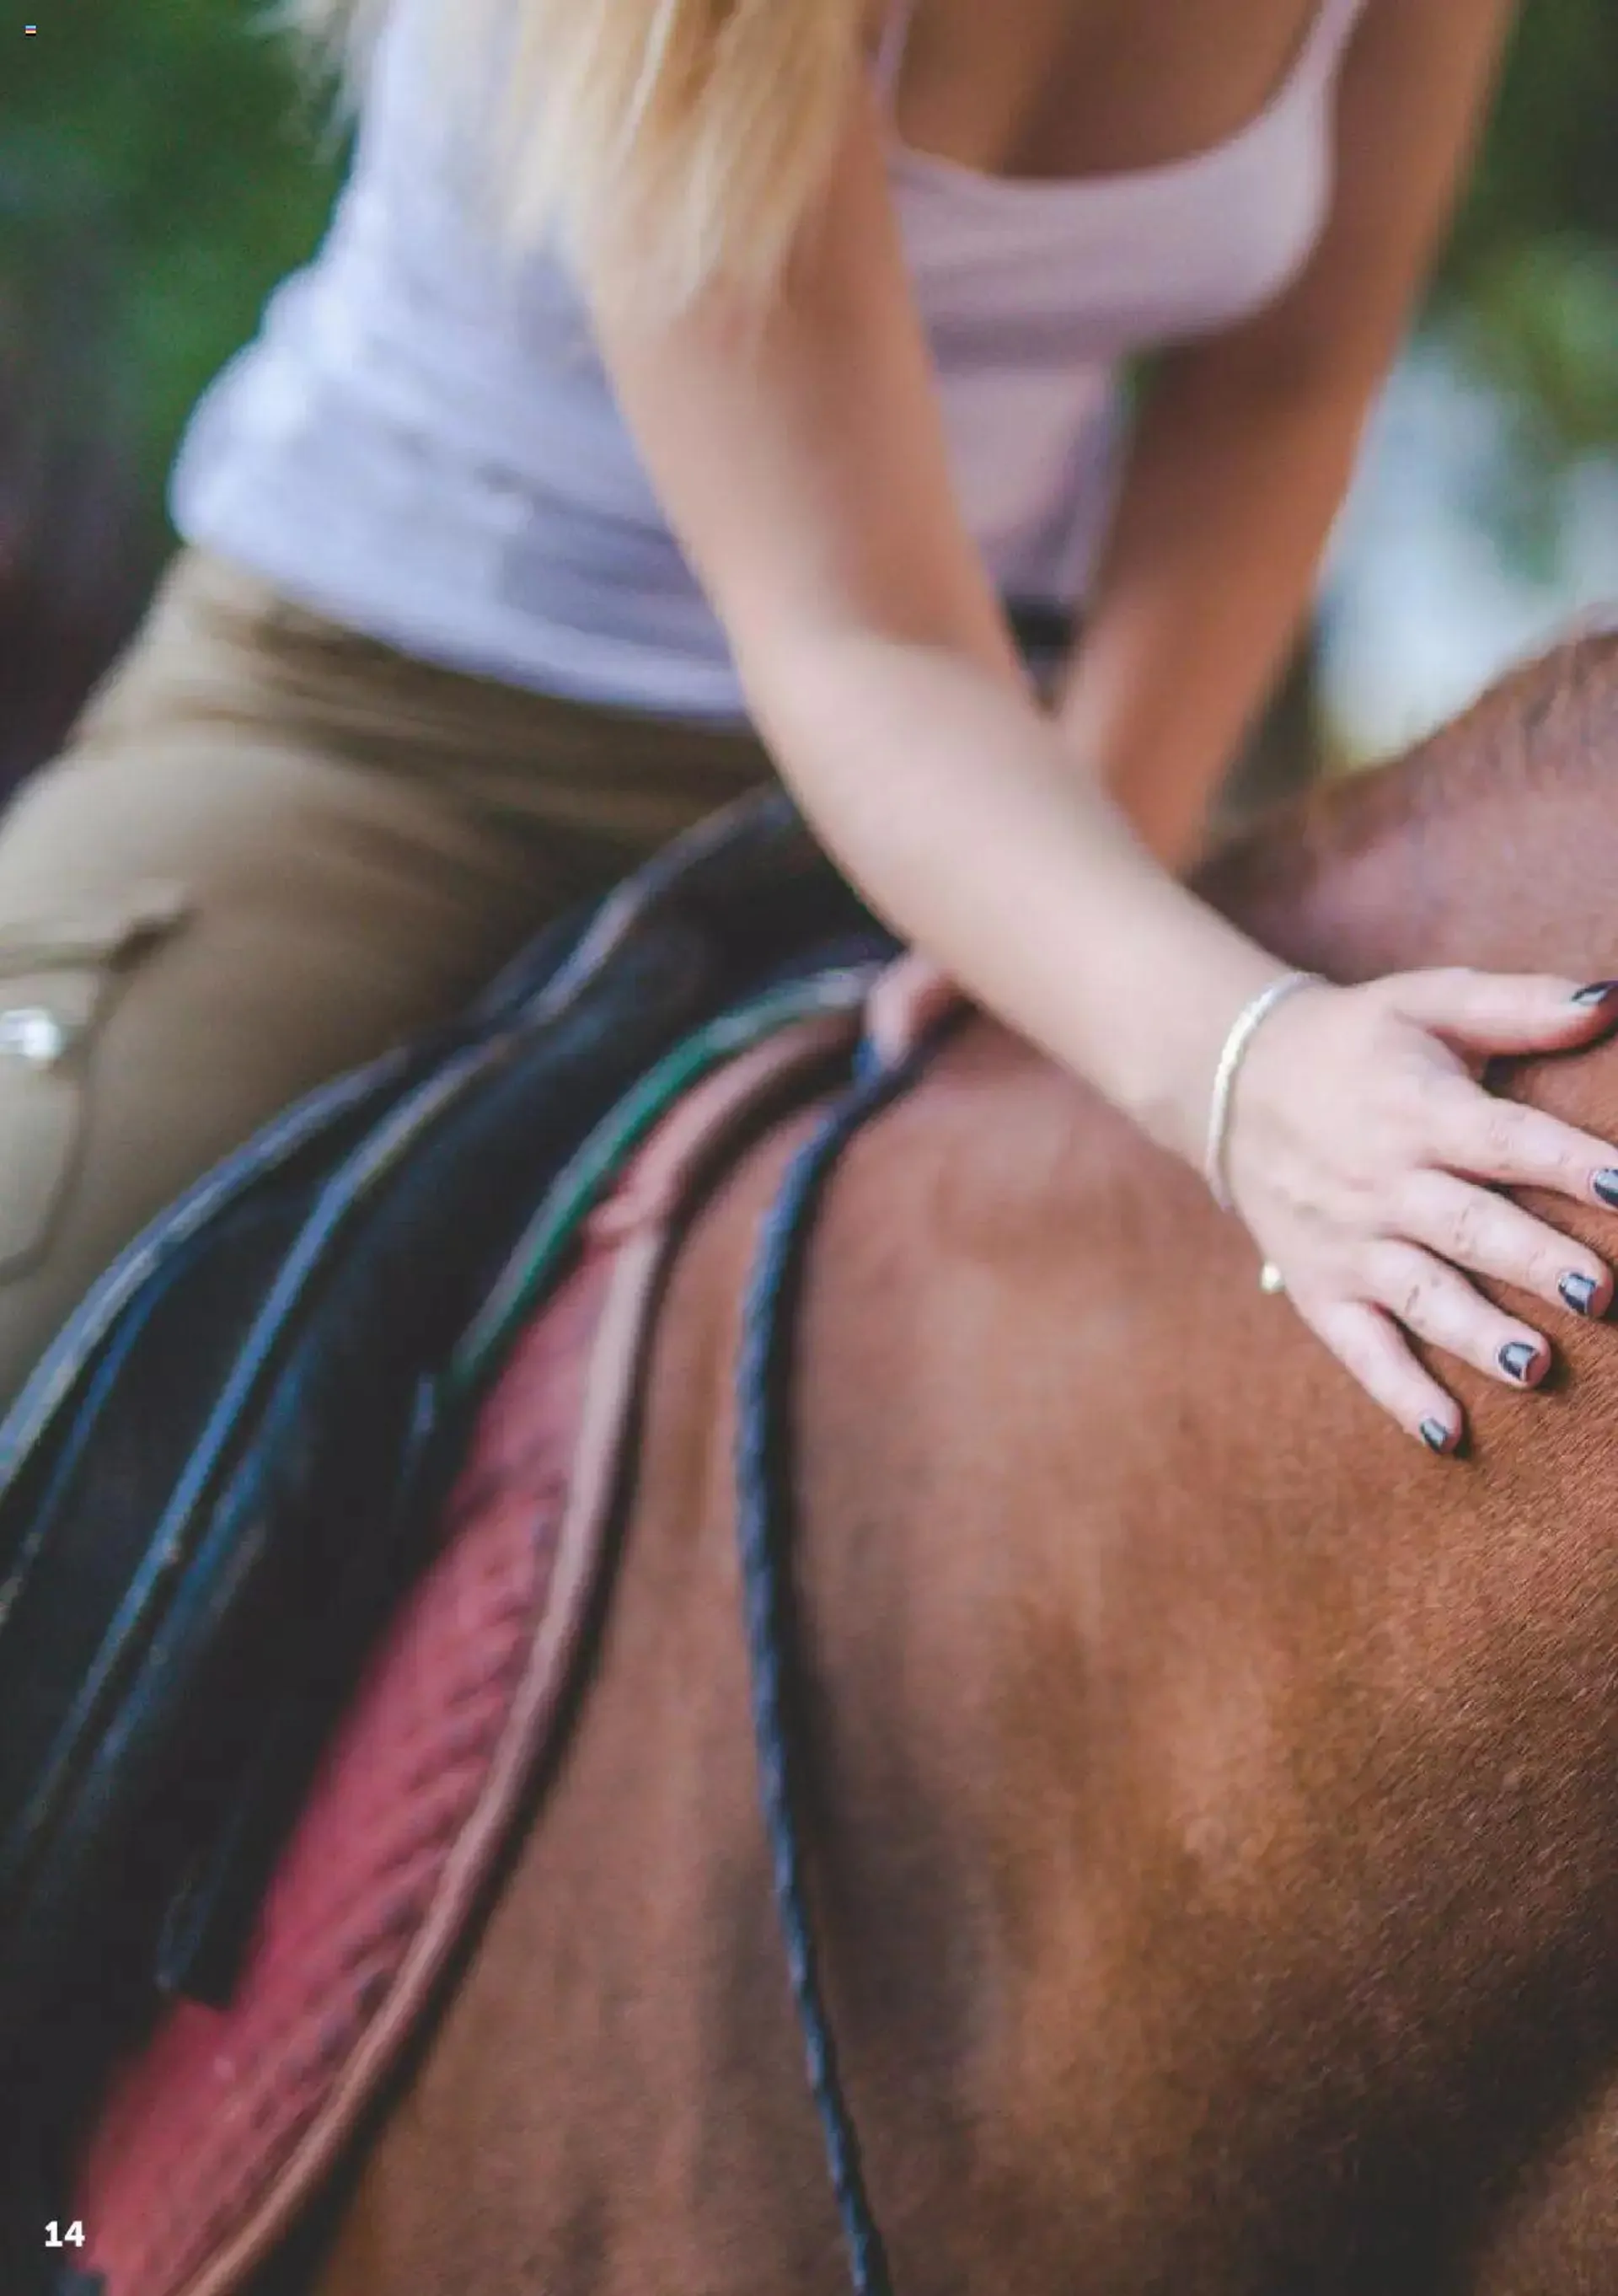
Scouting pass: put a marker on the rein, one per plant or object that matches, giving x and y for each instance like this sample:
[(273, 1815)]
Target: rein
[(767, 1524)]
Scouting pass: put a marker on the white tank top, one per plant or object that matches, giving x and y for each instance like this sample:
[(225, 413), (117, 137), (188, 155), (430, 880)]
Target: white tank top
[(422, 443)]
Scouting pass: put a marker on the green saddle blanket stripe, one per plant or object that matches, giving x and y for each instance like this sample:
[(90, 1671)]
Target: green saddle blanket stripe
[(542, 1252)]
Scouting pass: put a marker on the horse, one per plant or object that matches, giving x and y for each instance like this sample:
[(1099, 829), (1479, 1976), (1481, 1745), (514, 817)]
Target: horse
[(1213, 1799), (1213, 1836)]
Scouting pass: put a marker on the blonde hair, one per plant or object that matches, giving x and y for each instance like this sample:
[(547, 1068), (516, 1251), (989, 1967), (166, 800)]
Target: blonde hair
[(669, 144)]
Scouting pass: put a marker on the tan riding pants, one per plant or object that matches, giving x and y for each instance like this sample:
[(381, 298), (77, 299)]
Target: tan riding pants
[(272, 849)]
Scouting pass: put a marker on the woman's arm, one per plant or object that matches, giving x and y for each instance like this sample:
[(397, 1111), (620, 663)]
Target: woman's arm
[(1248, 439), (801, 458)]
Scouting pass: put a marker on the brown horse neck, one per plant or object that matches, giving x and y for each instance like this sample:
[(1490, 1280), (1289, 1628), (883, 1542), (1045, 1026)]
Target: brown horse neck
[(1285, 1828), (1494, 843)]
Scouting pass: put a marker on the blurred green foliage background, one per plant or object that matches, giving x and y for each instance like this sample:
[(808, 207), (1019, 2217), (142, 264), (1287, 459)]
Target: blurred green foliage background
[(164, 159)]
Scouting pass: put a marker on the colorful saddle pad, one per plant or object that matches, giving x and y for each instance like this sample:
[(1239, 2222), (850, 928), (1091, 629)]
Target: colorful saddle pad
[(218, 2130), (226, 1470)]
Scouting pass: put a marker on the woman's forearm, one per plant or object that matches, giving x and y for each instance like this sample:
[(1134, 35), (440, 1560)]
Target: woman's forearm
[(947, 798), (1227, 504)]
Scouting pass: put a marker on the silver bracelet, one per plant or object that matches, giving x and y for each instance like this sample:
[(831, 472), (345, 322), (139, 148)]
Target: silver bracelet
[(1242, 1028)]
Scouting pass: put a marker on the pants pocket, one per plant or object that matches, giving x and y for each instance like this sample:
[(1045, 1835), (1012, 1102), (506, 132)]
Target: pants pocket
[(61, 973)]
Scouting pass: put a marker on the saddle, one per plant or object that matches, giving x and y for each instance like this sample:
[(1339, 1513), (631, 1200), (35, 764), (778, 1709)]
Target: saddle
[(216, 2132), (234, 1460)]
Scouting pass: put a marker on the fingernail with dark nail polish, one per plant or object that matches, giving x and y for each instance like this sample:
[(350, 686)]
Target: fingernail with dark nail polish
[(1434, 1434), (1606, 1184), (1515, 1356), (1596, 992), (1578, 1292)]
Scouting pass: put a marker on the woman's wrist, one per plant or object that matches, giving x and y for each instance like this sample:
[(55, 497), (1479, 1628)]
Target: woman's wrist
[(1161, 1062)]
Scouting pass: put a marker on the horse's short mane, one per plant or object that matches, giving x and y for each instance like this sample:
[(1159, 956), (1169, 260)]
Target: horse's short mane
[(1550, 726)]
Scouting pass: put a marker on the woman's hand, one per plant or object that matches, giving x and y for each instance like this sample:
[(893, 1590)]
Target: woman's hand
[(1359, 1152)]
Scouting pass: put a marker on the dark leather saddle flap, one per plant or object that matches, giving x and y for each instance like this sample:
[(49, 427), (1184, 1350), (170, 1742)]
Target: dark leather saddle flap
[(204, 1493)]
